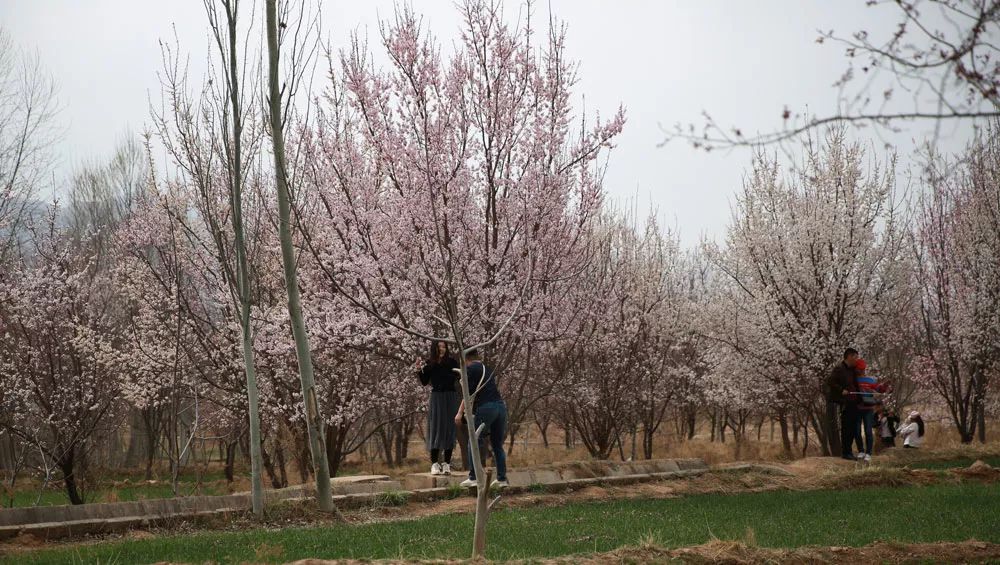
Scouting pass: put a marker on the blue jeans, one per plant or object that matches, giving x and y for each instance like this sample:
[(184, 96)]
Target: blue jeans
[(866, 422), (494, 415)]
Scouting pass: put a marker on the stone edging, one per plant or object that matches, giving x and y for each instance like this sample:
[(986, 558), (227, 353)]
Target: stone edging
[(195, 508)]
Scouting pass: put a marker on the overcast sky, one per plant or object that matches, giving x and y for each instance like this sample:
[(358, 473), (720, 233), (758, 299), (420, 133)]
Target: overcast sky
[(666, 61)]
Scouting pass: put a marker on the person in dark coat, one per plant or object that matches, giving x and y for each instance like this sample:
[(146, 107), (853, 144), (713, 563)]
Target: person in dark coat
[(838, 388), (439, 373)]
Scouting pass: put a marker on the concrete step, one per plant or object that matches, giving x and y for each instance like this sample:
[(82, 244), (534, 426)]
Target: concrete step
[(419, 481), (352, 479), (562, 473), (362, 488), (55, 530), (339, 485)]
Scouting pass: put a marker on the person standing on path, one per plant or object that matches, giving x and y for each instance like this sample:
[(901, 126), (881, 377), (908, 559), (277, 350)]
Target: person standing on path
[(868, 387), (438, 372), (837, 389), (491, 411)]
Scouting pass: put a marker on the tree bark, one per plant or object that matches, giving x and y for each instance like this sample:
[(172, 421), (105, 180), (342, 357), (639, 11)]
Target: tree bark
[(67, 466), (272, 472), (482, 478), (242, 267), (302, 458), (279, 453), (982, 425), (462, 438), (399, 439), (647, 442), (482, 514), (228, 469), (795, 429), (511, 432), (805, 439), (786, 442), (314, 419), (140, 441), (826, 428), (7, 454), (405, 439), (621, 446)]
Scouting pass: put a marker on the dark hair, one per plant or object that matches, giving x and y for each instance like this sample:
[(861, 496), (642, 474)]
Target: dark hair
[(920, 426), (850, 351), (434, 350), (473, 353)]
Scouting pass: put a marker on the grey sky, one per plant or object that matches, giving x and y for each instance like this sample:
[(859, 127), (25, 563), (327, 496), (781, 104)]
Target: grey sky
[(665, 61)]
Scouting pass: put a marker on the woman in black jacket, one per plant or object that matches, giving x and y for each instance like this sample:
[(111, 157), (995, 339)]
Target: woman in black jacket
[(438, 373)]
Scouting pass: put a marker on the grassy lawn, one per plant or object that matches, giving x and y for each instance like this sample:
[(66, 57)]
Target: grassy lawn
[(56, 496), (951, 512), (137, 489)]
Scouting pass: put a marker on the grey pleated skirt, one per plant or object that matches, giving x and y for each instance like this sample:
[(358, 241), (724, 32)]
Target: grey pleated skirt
[(441, 419)]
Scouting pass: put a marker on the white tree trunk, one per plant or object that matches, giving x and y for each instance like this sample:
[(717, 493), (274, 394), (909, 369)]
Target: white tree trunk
[(314, 419), (242, 268), (482, 480)]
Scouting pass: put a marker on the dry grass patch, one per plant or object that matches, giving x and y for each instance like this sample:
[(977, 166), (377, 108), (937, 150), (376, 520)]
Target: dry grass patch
[(873, 476)]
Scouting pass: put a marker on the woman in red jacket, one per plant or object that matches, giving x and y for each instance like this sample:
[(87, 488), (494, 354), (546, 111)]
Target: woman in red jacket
[(869, 391)]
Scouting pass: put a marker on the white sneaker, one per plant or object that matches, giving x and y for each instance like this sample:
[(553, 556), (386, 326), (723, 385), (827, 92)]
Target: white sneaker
[(868, 458), (446, 468), (499, 484), (436, 469), (861, 456), (468, 483)]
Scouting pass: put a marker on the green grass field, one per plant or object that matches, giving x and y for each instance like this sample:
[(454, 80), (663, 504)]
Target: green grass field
[(953, 463), (56, 496), (27, 494), (786, 519)]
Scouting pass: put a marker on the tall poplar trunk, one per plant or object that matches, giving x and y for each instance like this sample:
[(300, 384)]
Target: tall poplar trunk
[(314, 420), (242, 275)]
